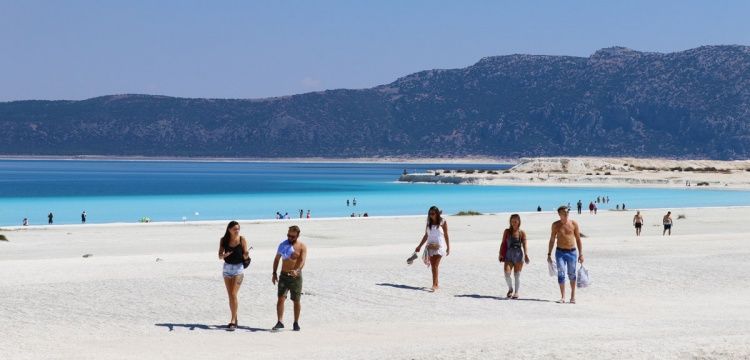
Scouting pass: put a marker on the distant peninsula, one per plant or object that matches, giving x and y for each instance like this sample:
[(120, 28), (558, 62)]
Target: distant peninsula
[(589, 171), (692, 104)]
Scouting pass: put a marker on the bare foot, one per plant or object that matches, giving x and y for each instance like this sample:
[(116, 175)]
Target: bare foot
[(572, 300), (515, 296), (561, 301)]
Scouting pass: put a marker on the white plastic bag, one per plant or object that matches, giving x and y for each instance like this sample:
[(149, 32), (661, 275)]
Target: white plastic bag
[(582, 278), (552, 268)]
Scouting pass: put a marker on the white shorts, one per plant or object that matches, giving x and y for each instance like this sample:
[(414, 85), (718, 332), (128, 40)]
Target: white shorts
[(231, 270)]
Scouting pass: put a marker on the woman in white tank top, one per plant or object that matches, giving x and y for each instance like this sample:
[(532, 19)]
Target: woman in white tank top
[(438, 243)]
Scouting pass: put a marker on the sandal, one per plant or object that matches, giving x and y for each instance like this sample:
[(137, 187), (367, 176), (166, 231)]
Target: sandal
[(231, 326), (509, 294)]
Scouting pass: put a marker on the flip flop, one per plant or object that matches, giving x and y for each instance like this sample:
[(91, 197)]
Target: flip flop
[(411, 258)]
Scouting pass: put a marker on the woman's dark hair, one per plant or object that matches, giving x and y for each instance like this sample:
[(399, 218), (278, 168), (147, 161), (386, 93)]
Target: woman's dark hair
[(439, 218), (227, 236)]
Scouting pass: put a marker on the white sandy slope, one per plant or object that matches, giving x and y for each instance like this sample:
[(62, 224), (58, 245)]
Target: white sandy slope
[(684, 296), (599, 171)]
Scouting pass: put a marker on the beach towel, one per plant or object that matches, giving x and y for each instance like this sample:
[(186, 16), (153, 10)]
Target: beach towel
[(582, 278), (552, 268)]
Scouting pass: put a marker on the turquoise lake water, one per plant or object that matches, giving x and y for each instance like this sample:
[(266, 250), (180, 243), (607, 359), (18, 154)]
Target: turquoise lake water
[(125, 191)]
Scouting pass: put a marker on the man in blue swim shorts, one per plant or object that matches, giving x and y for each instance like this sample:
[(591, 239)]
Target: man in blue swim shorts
[(568, 237)]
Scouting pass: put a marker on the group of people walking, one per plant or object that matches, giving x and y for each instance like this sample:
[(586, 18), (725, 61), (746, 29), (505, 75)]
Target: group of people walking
[(291, 253), (666, 221), (565, 238)]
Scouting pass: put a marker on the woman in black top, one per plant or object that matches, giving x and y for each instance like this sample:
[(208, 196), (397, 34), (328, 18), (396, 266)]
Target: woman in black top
[(233, 250)]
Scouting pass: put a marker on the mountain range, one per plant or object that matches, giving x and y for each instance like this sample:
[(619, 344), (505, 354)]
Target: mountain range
[(616, 102)]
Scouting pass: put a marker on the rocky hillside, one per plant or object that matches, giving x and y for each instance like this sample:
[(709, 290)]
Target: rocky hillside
[(617, 102)]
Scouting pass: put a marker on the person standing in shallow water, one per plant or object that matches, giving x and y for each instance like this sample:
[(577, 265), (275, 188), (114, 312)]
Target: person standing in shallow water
[(514, 254), (233, 250), (50, 217), (438, 243), (566, 234), (293, 254), (83, 217)]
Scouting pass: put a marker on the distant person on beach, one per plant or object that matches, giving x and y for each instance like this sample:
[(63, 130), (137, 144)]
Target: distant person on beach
[(667, 221), (301, 213), (347, 202), (292, 254), (617, 207), (539, 208), (438, 243), (597, 199), (25, 222), (83, 217), (623, 206), (286, 216), (596, 208), (569, 249), (308, 214), (233, 250), (50, 216), (514, 254), (591, 207), (638, 223), (354, 202), (607, 199), (579, 205), (278, 215), (365, 215)]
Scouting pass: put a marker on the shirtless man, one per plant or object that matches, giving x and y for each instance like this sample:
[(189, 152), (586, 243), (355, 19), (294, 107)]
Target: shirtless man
[(293, 253), (638, 223), (667, 221), (568, 237)]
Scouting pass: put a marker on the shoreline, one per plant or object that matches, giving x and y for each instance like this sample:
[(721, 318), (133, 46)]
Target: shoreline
[(14, 228)]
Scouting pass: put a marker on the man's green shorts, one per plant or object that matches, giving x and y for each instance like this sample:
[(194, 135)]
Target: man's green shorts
[(290, 284)]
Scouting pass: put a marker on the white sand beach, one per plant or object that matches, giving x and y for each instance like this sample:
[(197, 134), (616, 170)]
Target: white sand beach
[(678, 297), (602, 171)]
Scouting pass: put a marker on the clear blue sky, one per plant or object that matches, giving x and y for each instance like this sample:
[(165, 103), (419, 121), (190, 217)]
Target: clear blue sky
[(251, 49)]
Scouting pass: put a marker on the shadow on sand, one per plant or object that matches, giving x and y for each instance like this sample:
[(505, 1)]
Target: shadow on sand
[(171, 327), (405, 287), (477, 296)]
